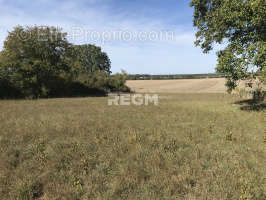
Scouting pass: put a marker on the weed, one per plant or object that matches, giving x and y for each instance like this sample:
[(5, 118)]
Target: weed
[(264, 137), (229, 135), (29, 190)]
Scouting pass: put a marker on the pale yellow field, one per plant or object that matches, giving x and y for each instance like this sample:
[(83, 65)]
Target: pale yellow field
[(211, 85)]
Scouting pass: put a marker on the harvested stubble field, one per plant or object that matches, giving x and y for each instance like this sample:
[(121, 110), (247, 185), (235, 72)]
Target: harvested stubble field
[(191, 146), (192, 86), (208, 85)]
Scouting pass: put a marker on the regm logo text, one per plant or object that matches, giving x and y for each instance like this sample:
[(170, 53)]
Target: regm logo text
[(135, 99)]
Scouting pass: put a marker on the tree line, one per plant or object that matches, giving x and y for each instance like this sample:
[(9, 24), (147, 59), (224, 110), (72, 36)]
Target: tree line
[(39, 62), (173, 76)]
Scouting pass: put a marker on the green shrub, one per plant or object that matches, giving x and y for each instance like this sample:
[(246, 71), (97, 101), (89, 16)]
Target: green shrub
[(104, 82), (117, 83)]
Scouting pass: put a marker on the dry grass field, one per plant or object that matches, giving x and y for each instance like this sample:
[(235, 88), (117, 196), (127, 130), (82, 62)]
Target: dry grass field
[(190, 146), (211, 85), (207, 85)]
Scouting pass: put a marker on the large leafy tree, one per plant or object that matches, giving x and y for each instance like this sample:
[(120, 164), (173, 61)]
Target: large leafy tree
[(33, 57), (40, 62), (90, 58), (241, 26)]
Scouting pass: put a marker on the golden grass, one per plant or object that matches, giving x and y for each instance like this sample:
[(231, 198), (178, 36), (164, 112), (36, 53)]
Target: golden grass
[(208, 85), (192, 86), (191, 146)]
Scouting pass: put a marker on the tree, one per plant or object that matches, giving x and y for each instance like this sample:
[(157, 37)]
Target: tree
[(90, 66), (241, 25), (90, 58), (33, 57), (40, 62)]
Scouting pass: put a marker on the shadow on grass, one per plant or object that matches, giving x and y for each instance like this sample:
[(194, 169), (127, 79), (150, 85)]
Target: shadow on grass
[(57, 89), (251, 105)]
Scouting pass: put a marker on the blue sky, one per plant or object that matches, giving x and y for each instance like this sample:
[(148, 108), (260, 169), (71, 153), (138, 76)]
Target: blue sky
[(140, 36)]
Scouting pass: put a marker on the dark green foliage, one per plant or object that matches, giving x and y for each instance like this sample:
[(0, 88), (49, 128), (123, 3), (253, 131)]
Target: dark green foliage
[(39, 62), (36, 59), (63, 88), (242, 26), (7, 89), (103, 81), (90, 58)]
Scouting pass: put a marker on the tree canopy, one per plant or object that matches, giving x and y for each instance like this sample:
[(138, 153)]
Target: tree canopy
[(241, 26), (40, 62), (91, 59), (34, 56)]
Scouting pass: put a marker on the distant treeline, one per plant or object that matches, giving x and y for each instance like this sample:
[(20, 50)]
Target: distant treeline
[(172, 76)]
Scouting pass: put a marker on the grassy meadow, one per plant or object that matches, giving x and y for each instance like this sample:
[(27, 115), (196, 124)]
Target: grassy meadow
[(190, 146)]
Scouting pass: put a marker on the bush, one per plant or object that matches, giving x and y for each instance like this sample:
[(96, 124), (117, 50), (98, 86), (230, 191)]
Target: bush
[(99, 80), (259, 95), (60, 87), (97, 84), (7, 89), (117, 83), (104, 82)]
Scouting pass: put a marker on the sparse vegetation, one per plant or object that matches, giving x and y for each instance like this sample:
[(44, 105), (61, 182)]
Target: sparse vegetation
[(191, 146)]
